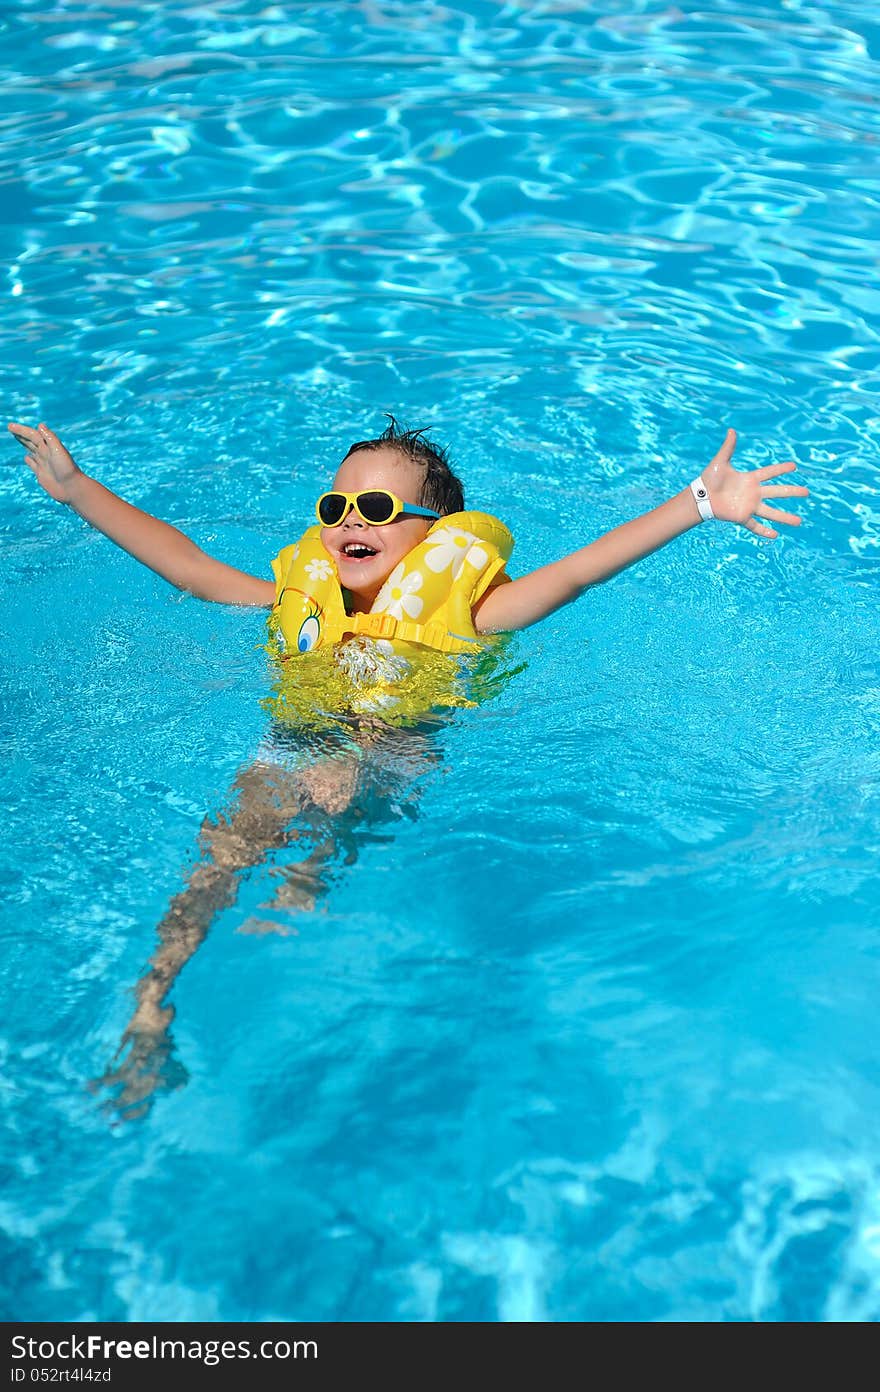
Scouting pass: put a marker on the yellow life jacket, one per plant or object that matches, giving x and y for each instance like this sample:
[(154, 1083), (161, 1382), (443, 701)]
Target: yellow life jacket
[(423, 611), (426, 602)]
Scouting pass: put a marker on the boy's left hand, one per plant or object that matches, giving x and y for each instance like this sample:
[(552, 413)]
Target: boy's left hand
[(740, 497)]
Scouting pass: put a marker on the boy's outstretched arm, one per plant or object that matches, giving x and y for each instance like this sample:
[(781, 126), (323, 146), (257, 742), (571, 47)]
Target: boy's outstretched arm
[(161, 547), (734, 497)]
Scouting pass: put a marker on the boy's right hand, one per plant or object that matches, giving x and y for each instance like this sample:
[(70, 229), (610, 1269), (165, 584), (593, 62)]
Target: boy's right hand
[(48, 459)]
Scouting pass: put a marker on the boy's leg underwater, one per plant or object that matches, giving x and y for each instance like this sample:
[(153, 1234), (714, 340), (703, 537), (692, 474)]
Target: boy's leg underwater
[(270, 807), (267, 799)]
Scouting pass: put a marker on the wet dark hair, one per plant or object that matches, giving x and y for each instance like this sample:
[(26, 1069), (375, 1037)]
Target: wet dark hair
[(441, 490)]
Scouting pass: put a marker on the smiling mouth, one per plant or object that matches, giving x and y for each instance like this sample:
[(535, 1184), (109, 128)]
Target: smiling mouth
[(357, 551)]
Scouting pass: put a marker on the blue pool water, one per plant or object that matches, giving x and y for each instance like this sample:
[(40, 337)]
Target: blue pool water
[(582, 1024)]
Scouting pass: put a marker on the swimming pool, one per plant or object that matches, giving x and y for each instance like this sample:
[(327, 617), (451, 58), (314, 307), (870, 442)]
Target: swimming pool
[(582, 1025)]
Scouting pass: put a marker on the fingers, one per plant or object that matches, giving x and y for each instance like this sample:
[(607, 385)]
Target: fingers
[(769, 471), (760, 530), (771, 514), (30, 439), (790, 519), (31, 458), (775, 490), (784, 490), (27, 436), (726, 450), (44, 451), (23, 433)]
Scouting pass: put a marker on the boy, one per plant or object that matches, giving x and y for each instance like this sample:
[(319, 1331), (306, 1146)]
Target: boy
[(365, 556)]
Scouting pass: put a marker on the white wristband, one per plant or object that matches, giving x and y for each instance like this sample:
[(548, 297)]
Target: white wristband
[(701, 498)]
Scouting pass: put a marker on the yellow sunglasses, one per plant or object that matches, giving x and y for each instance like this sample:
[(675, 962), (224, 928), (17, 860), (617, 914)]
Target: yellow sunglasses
[(376, 507)]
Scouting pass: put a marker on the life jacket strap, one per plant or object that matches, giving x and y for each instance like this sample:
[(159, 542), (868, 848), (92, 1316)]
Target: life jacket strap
[(432, 635)]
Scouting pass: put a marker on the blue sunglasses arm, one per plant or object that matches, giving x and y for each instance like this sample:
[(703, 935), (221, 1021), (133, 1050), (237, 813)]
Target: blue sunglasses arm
[(420, 511)]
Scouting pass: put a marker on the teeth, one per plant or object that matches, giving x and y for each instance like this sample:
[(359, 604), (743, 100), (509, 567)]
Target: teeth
[(356, 550)]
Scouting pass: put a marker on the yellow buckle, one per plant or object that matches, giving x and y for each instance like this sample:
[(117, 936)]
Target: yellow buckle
[(375, 625)]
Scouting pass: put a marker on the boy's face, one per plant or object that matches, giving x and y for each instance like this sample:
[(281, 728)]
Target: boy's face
[(358, 473)]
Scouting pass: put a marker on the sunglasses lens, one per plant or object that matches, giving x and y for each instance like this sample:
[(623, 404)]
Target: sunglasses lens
[(331, 509), (376, 507)]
